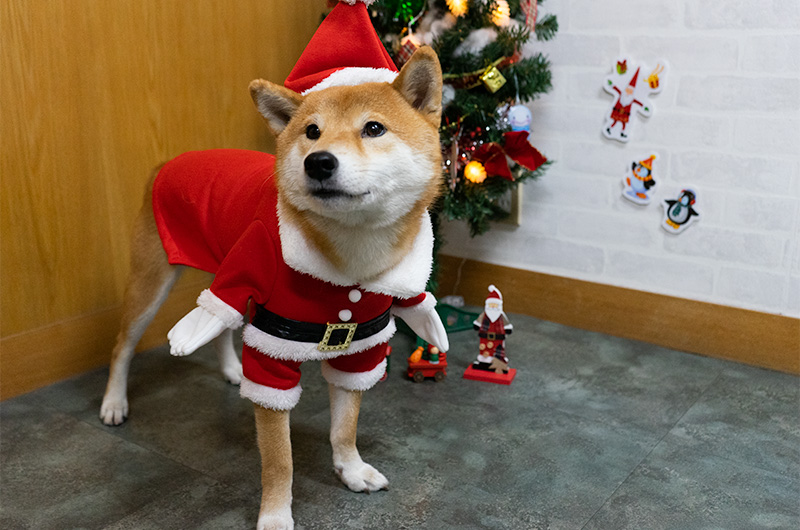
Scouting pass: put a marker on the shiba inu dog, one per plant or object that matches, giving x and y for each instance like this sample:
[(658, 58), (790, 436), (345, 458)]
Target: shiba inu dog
[(327, 242)]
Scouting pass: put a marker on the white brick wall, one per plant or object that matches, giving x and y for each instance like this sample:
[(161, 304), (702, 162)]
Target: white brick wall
[(727, 124)]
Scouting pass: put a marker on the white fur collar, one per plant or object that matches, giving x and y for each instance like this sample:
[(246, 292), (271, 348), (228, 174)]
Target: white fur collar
[(406, 280)]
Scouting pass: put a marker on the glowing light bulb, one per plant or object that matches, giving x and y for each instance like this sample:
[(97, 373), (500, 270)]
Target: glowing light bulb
[(475, 172), (501, 14), (457, 7), (413, 39)]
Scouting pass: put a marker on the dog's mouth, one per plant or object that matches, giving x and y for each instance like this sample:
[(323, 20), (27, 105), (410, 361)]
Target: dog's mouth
[(326, 194)]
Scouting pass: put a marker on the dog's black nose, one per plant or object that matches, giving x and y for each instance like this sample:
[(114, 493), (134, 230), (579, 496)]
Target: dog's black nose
[(320, 165)]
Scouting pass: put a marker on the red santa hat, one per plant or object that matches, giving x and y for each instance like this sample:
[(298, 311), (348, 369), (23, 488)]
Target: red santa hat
[(635, 77), (344, 51), (494, 292)]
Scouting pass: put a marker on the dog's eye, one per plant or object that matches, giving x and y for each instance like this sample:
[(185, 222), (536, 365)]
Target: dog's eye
[(313, 132), (373, 129)]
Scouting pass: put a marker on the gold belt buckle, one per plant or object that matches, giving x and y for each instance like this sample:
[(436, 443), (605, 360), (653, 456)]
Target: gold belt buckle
[(491, 336), (351, 331)]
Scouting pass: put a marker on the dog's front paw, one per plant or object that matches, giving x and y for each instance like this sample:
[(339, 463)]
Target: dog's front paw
[(360, 476), (114, 411), (233, 373), (275, 521)]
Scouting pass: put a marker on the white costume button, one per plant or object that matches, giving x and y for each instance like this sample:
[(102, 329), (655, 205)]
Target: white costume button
[(354, 296), (345, 315)]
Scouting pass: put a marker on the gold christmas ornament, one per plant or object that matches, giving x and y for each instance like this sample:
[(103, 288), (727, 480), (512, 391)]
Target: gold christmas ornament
[(493, 79), (475, 172)]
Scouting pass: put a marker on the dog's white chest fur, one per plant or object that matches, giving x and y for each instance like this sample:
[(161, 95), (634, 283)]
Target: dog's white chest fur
[(367, 256)]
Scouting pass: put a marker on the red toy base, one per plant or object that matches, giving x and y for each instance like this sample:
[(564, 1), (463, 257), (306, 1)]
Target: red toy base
[(490, 377), (422, 369)]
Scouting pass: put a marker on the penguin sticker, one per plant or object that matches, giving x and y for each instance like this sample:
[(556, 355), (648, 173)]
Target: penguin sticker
[(679, 213), (638, 181)]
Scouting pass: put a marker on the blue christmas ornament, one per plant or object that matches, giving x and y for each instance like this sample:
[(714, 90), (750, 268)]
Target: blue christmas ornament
[(519, 117)]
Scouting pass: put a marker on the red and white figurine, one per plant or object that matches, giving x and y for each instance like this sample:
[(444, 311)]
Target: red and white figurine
[(492, 326)]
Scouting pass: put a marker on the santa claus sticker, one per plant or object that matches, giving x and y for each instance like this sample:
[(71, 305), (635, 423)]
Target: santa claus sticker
[(631, 85)]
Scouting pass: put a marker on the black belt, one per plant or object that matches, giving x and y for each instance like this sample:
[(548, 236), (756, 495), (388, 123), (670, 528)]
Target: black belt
[(492, 336), (331, 336)]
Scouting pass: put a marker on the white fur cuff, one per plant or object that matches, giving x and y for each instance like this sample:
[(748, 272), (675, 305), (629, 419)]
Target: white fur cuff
[(214, 305), (353, 381), (270, 398)]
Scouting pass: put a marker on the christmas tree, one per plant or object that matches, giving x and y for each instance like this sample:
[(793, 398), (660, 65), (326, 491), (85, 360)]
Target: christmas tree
[(487, 81), (485, 125)]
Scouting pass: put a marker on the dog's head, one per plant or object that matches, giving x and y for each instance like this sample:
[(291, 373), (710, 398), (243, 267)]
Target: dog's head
[(366, 154)]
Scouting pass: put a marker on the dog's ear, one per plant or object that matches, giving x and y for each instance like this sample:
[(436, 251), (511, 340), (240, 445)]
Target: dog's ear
[(276, 103), (420, 83)]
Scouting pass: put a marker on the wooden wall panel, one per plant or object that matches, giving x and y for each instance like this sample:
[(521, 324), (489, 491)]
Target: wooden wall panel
[(93, 95)]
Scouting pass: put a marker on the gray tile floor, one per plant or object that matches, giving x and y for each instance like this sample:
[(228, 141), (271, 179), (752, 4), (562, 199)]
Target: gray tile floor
[(596, 432)]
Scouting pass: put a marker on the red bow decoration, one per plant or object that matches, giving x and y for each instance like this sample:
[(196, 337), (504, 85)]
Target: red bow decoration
[(515, 146)]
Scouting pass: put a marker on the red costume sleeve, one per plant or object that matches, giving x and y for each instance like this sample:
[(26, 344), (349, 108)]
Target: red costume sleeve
[(408, 302), (248, 271)]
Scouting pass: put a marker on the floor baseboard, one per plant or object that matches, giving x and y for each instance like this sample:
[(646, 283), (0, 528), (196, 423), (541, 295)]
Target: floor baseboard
[(42, 356), (750, 337), (46, 355)]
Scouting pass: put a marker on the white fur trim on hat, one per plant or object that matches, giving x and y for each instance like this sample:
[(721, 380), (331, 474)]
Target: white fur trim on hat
[(270, 398), (353, 2), (289, 350), (352, 76), (214, 305), (357, 381)]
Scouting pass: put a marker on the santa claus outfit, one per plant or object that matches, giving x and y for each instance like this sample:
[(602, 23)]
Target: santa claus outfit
[(218, 211)]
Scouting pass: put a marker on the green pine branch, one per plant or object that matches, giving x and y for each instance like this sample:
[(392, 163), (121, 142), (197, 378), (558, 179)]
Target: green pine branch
[(476, 112)]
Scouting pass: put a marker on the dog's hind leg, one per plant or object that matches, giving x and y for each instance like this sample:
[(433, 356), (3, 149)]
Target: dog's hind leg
[(229, 362), (354, 472), (275, 446), (149, 283)]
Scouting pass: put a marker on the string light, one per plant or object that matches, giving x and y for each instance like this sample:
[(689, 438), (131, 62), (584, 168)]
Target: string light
[(413, 39), (501, 14), (457, 7), (475, 172)]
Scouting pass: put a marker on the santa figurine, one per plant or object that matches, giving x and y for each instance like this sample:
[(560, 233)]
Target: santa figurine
[(492, 326)]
